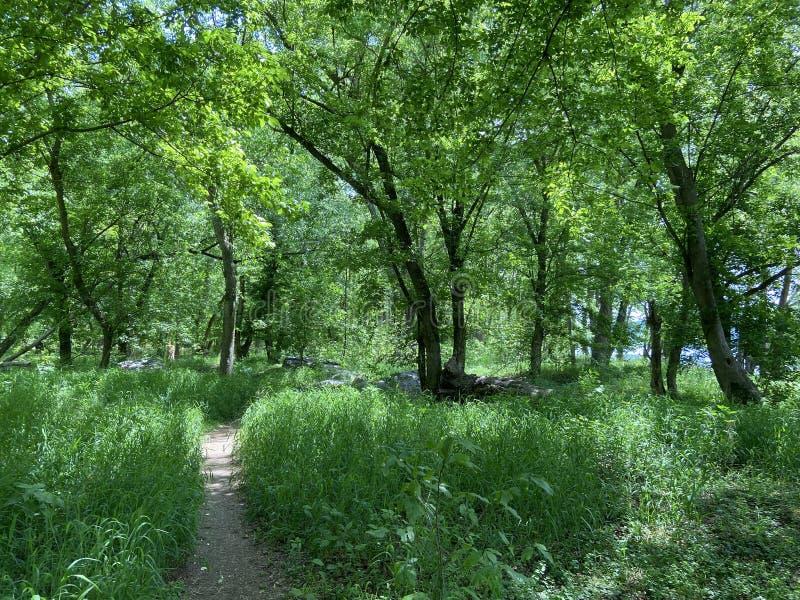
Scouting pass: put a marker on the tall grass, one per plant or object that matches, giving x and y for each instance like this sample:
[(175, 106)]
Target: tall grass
[(380, 496), (99, 483)]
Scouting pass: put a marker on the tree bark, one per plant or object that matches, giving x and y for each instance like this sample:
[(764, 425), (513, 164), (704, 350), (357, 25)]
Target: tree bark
[(243, 337), (601, 328), (538, 237), (621, 329), (424, 305), (108, 345), (458, 291), (452, 229), (654, 322), (673, 364), (573, 350), (207, 342), (227, 353), (732, 378), (677, 339), (65, 341), (786, 288)]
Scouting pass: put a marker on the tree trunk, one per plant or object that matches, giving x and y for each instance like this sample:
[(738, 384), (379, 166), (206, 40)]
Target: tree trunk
[(65, 341), (673, 364), (428, 333), (786, 288), (207, 335), (539, 298), (730, 375), (108, 345), (537, 343), (458, 290), (451, 228), (601, 328), (654, 323), (621, 329), (241, 324), (537, 234), (573, 350), (677, 339), (227, 352), (424, 305), (586, 323)]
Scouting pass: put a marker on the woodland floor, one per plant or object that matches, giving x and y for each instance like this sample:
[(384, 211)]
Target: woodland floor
[(228, 563)]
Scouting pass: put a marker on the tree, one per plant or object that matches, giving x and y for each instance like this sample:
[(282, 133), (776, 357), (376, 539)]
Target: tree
[(409, 110), (712, 105)]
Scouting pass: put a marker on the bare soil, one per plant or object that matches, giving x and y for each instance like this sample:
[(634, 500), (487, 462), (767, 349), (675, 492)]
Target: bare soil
[(228, 563)]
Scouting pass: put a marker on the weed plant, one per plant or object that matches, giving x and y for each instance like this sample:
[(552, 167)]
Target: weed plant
[(598, 491)]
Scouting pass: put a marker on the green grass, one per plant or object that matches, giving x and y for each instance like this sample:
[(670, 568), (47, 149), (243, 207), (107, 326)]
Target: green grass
[(99, 485), (100, 480), (598, 491), (377, 496)]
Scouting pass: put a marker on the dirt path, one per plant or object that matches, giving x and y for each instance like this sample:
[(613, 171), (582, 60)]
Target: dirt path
[(228, 564)]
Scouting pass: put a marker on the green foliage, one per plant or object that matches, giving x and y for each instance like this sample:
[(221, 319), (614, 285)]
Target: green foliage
[(100, 486), (407, 505), (376, 496)]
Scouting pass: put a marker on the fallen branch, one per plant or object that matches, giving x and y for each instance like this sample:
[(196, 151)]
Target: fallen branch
[(30, 346)]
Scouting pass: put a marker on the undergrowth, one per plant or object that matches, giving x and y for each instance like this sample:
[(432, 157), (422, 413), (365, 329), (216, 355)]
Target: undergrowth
[(598, 491), (100, 479)]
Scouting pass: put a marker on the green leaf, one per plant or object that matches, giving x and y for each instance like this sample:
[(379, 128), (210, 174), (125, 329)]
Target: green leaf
[(545, 554)]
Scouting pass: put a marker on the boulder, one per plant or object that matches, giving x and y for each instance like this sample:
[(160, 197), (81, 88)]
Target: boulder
[(340, 376), (405, 381), (141, 364), (293, 362)]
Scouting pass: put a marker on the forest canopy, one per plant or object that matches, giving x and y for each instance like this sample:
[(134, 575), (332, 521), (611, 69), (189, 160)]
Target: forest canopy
[(404, 183)]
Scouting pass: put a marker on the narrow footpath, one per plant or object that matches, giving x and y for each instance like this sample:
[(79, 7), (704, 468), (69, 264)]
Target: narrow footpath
[(228, 564)]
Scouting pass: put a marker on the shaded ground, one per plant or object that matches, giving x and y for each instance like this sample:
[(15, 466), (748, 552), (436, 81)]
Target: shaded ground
[(228, 563)]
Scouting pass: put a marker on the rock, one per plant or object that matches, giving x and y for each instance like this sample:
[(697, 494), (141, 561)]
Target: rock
[(141, 364), (293, 362), (405, 381), (331, 383), (340, 376)]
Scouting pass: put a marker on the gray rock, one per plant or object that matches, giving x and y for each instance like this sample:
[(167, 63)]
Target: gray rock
[(141, 364), (293, 362), (331, 383), (405, 381), (340, 376)]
